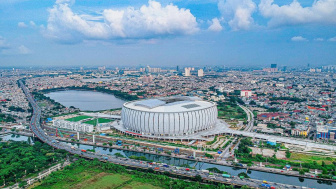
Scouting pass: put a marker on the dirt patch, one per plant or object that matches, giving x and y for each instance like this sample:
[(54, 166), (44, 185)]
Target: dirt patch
[(281, 154), (268, 152)]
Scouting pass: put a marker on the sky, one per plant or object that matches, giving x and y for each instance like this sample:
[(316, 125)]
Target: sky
[(167, 33)]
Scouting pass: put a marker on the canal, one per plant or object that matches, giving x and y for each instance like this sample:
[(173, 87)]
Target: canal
[(309, 183)]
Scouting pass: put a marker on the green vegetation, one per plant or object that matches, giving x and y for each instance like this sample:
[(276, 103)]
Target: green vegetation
[(141, 158), (7, 118), (311, 158), (95, 174), (78, 118), (230, 110), (20, 159), (288, 154), (212, 142), (39, 96), (209, 156), (16, 109), (100, 120), (244, 155), (243, 174), (119, 155), (216, 170)]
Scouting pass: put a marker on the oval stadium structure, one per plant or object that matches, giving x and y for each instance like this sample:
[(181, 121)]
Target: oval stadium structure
[(169, 116)]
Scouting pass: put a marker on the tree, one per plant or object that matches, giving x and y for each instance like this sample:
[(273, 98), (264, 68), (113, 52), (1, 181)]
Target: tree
[(198, 178), (323, 164), (301, 172), (288, 154)]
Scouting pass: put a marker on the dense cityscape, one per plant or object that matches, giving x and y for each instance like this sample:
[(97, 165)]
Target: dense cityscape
[(291, 111), (173, 94)]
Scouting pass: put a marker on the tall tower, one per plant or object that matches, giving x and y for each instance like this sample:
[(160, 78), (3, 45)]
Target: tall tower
[(200, 73), (187, 72)]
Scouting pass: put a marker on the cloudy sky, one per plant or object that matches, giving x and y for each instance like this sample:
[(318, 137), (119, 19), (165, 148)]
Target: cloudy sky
[(167, 33)]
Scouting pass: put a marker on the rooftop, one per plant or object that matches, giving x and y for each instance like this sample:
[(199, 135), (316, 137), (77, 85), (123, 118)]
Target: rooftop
[(170, 104)]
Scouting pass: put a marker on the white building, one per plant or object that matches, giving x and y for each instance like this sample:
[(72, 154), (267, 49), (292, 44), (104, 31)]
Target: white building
[(187, 72), (169, 116), (200, 73), (245, 93), (75, 126)]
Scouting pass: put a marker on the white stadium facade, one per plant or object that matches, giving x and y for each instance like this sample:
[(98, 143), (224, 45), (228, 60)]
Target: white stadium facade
[(177, 116)]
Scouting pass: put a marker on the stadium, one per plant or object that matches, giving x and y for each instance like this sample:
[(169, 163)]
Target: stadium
[(168, 117)]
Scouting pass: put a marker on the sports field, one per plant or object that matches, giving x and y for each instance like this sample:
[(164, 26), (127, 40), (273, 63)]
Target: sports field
[(78, 118), (100, 120)]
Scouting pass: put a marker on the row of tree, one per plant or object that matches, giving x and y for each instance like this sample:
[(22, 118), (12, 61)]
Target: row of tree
[(19, 159)]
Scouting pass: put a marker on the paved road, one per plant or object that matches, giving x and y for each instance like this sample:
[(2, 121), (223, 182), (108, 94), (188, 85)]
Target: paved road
[(38, 131), (250, 118)]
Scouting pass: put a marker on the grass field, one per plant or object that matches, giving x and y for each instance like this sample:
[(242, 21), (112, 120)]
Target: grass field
[(42, 104), (81, 178), (310, 158), (228, 112), (100, 120), (78, 118)]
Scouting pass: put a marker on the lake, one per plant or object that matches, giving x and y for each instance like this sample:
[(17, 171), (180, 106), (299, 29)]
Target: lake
[(86, 100)]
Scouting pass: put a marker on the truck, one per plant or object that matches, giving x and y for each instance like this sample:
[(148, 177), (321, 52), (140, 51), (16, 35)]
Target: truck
[(106, 158), (226, 175), (187, 169), (205, 171), (166, 165), (83, 150), (265, 185), (119, 142)]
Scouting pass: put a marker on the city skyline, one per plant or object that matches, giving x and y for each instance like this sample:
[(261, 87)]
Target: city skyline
[(157, 33)]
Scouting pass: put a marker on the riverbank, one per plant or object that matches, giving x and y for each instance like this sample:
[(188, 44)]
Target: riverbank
[(268, 170)]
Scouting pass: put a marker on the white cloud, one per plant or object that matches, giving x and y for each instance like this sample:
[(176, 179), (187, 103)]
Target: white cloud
[(319, 39), (238, 13), (3, 44), (22, 25), (32, 23), (149, 21), (23, 50), (333, 39), (215, 25), (299, 38), (321, 11)]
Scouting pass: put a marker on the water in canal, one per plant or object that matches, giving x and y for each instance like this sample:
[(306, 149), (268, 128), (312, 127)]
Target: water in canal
[(310, 183)]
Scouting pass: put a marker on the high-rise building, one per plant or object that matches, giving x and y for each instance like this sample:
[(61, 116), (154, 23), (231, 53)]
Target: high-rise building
[(273, 65), (177, 68), (150, 70), (200, 73), (187, 72), (284, 68), (147, 79)]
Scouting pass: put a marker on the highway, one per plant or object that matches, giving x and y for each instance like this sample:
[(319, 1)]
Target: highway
[(250, 118), (39, 133)]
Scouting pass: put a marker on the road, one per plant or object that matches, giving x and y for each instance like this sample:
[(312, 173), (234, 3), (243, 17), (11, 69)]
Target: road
[(250, 118), (38, 132)]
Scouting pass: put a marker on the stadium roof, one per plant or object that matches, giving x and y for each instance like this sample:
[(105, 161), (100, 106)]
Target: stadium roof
[(170, 104)]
